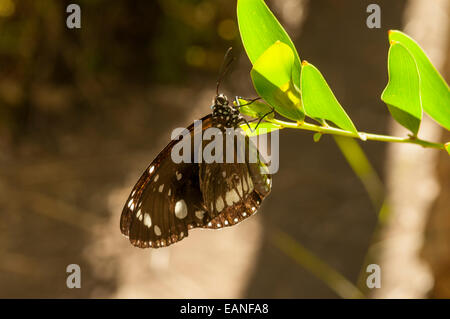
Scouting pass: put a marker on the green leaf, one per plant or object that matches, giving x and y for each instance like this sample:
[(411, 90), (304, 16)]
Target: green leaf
[(319, 101), (255, 109), (434, 91), (317, 137), (272, 78), (263, 128), (402, 93), (260, 29), (447, 147)]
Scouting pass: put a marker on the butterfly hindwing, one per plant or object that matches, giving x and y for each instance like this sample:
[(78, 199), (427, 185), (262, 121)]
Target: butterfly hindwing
[(166, 208), (234, 191)]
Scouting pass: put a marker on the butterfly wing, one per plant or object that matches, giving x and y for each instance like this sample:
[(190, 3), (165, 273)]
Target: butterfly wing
[(234, 191), (170, 198), (166, 201)]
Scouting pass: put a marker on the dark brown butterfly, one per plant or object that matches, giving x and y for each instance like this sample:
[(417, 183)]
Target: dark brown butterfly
[(170, 198)]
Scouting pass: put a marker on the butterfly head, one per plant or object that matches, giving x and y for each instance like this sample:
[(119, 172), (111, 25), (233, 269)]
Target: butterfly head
[(224, 114), (220, 100)]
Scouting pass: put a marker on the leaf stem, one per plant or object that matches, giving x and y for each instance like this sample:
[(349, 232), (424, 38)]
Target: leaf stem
[(360, 135)]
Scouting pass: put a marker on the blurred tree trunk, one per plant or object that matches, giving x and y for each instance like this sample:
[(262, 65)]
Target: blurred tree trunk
[(436, 250)]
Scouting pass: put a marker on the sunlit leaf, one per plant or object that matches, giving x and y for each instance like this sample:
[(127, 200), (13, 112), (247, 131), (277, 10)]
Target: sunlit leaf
[(319, 101), (260, 29), (255, 109), (402, 93), (272, 78), (263, 128), (435, 93)]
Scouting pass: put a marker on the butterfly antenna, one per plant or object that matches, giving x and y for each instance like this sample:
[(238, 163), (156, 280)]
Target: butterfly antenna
[(227, 60)]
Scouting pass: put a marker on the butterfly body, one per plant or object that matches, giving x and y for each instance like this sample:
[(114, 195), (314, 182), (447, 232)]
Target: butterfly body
[(224, 115), (171, 198)]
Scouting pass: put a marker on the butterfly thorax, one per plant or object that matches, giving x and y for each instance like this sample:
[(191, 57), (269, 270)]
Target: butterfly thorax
[(225, 115)]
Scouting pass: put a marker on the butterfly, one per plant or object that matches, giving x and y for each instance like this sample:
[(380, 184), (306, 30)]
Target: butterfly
[(171, 198)]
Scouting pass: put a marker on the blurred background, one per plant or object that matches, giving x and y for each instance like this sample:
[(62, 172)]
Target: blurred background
[(84, 111)]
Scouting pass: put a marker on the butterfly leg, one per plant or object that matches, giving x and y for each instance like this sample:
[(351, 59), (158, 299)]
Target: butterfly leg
[(257, 124), (259, 121), (248, 124), (250, 101), (238, 104)]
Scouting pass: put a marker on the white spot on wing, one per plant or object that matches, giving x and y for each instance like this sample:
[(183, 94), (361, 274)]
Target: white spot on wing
[(232, 197), (148, 221), (156, 178), (181, 209), (199, 214), (219, 204), (239, 189), (160, 189), (151, 169), (157, 230), (179, 175), (250, 183), (224, 173), (245, 185), (130, 203)]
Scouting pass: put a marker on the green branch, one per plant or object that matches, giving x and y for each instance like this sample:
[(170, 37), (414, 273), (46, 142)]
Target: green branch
[(360, 135)]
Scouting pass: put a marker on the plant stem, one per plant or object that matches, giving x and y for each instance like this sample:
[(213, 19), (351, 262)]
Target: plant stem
[(333, 279), (360, 135)]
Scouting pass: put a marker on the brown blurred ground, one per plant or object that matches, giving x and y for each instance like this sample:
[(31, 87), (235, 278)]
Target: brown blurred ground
[(84, 111)]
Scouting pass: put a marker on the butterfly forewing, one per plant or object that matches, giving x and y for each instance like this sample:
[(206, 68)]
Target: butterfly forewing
[(165, 202)]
